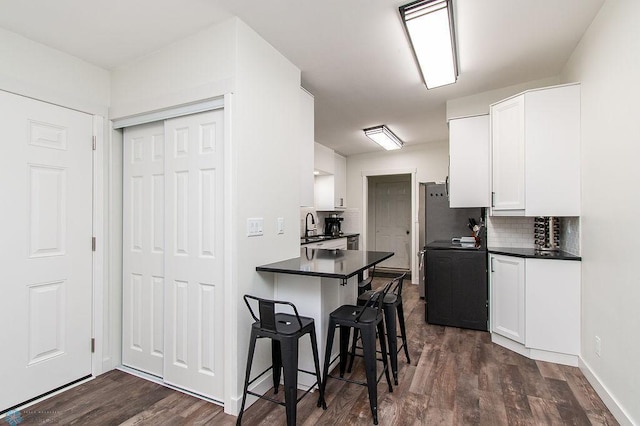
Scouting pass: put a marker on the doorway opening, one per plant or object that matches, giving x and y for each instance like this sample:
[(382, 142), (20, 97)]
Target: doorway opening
[(389, 201)]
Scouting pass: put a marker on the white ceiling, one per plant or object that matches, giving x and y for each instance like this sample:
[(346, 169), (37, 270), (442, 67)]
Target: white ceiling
[(353, 54)]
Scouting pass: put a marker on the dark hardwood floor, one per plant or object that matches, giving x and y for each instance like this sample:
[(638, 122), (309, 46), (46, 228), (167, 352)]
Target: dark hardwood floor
[(456, 377)]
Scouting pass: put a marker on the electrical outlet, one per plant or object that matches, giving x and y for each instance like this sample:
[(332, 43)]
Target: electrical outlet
[(598, 346)]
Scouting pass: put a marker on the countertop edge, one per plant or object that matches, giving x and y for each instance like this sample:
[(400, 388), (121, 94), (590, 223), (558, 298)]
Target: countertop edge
[(530, 253), (328, 238)]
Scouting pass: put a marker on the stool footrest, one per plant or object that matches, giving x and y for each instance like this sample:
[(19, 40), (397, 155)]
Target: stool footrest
[(356, 381)]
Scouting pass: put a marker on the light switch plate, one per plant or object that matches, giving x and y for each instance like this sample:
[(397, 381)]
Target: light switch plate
[(255, 226), (280, 225)]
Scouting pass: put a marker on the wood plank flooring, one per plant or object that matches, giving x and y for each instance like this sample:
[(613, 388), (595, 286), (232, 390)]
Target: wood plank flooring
[(456, 377)]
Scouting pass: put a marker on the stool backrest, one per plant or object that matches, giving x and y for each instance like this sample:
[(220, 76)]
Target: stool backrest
[(376, 299), (267, 311), (397, 288)]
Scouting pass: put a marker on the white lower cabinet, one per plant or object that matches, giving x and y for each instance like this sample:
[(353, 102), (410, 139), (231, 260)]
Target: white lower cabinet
[(507, 296), (553, 305), (535, 307), (337, 243)]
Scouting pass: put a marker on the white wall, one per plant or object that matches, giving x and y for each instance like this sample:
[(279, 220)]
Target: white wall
[(262, 98), (264, 140), (198, 67), (35, 70), (607, 63), (429, 161)]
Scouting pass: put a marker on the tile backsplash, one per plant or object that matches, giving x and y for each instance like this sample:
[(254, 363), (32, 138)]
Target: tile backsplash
[(514, 231), (510, 231), (570, 235)]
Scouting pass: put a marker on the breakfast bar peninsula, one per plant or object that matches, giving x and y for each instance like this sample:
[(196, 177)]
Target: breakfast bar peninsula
[(318, 282)]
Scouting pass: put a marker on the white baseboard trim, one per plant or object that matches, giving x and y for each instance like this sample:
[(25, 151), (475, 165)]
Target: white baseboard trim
[(537, 354), (603, 392), (232, 404)]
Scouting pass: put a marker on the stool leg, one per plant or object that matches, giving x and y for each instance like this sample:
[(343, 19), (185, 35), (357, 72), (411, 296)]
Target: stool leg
[(316, 362), (290, 367), (403, 331), (392, 333), (252, 347), (383, 349), (345, 332), (276, 361), (369, 355), (353, 350), (331, 332)]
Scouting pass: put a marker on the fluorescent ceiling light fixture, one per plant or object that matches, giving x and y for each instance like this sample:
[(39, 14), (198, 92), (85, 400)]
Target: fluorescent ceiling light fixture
[(383, 137), (429, 25)]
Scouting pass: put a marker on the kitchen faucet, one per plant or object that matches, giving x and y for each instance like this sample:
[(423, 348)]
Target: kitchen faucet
[(306, 228)]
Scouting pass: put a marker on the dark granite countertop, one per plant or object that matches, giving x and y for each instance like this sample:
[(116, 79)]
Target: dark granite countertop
[(533, 253), (341, 264), (317, 238)]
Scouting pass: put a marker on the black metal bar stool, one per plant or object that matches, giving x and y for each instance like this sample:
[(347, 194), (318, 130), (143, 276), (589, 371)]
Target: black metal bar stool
[(392, 307), (284, 330), (367, 319)]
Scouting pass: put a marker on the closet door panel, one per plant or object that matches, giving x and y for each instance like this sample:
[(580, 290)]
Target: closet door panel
[(193, 261), (143, 251)]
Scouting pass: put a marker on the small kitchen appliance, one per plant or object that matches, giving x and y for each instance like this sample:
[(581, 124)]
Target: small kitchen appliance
[(332, 225)]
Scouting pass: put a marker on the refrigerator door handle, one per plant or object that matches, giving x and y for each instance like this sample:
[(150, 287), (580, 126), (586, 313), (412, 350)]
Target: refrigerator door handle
[(492, 270)]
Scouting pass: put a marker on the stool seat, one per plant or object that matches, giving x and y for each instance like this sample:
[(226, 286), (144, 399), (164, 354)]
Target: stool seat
[(286, 324), (350, 312), (389, 298)]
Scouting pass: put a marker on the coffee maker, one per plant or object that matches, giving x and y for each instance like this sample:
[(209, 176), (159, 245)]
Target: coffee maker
[(332, 225)]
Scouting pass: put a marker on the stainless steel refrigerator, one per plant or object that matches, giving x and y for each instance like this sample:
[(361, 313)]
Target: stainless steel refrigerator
[(439, 222)]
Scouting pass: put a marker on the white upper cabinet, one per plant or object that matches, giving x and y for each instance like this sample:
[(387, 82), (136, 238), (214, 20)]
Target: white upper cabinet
[(331, 184), (535, 153), (324, 159), (469, 174), (340, 181), (306, 148)]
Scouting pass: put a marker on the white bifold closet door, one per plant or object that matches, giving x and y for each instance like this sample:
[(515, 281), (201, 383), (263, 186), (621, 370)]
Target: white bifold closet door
[(173, 271), (46, 216)]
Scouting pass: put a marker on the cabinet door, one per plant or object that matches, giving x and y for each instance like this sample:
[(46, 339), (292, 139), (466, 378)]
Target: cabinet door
[(469, 162), (340, 182), (553, 305), (552, 152), (507, 296), (507, 154)]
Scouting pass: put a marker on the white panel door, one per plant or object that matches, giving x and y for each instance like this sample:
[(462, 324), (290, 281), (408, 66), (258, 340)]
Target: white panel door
[(46, 175), (194, 302), (143, 248), (507, 153), (393, 222)]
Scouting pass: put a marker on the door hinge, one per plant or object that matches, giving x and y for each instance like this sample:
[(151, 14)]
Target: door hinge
[(93, 345), (93, 243), (94, 142)]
